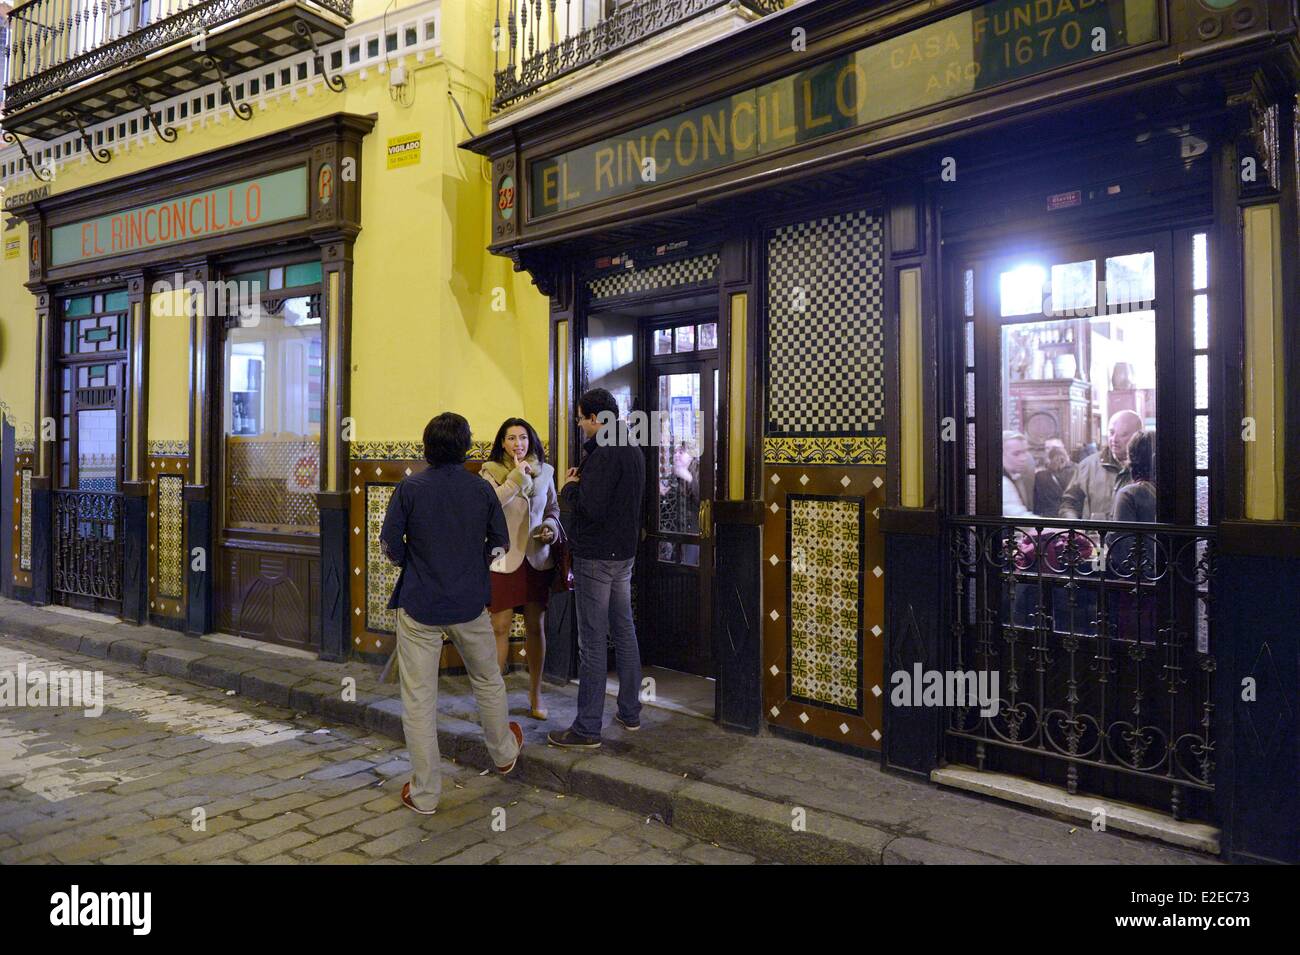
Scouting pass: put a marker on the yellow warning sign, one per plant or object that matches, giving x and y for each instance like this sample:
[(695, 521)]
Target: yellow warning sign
[(13, 247), (403, 150)]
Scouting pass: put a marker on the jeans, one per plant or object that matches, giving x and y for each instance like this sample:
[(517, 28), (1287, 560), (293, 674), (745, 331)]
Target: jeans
[(603, 592), (419, 652)]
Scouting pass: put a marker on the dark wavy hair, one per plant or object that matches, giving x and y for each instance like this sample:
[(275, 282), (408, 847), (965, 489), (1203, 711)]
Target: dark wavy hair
[(1142, 456), (447, 439), (596, 401), (498, 453)]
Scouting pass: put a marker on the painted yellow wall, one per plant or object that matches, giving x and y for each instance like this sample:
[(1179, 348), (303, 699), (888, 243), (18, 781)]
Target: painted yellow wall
[(17, 338), (425, 337), (169, 377)]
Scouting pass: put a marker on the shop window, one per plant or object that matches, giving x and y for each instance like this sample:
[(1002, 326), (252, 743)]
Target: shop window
[(1078, 382), (609, 358), (684, 338), (272, 410), (1201, 373)]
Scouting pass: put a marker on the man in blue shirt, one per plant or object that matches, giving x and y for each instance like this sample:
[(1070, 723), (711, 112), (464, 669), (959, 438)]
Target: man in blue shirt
[(444, 526)]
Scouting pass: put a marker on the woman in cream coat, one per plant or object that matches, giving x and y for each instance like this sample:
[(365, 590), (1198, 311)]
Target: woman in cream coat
[(521, 579)]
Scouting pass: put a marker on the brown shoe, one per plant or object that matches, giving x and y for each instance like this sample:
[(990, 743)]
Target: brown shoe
[(519, 738), (409, 804)]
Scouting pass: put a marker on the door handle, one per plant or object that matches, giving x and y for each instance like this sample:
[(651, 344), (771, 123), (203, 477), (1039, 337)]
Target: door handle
[(706, 519)]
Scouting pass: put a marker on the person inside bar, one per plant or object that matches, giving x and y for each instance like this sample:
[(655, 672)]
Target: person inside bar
[(1092, 492), (1017, 475)]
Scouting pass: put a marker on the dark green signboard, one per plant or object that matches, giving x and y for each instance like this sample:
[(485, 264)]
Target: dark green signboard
[(966, 53)]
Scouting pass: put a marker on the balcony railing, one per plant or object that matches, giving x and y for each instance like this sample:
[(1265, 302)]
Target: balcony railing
[(56, 44), (541, 41)]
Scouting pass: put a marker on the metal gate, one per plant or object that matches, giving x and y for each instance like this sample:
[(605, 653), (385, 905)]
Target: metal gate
[(1102, 638), (88, 546)]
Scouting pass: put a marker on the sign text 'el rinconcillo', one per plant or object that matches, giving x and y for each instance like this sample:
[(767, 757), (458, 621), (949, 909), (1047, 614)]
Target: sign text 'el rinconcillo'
[(969, 52)]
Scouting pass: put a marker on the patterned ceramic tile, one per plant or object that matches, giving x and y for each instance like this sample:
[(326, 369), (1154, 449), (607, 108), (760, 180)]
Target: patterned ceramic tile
[(171, 533), (866, 450), (825, 326), (407, 450), (169, 449), (825, 600), (692, 271), (25, 525), (381, 575)]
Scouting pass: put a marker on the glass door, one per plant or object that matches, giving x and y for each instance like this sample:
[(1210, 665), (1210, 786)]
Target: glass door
[(677, 560), (271, 404), (90, 440)]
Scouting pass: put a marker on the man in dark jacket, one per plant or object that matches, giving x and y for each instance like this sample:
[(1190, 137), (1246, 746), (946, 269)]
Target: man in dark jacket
[(600, 508), (443, 527)]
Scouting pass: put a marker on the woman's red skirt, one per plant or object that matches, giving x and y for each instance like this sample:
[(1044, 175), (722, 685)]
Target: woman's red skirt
[(524, 585)]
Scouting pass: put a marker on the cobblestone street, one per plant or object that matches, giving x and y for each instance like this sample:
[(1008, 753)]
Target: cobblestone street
[(271, 786)]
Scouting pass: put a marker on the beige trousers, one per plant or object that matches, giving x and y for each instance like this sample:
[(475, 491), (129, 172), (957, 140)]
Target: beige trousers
[(419, 652)]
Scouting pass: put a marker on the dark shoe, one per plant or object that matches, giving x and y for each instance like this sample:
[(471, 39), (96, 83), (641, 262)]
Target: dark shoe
[(630, 727), (568, 739), (519, 738), (406, 801)]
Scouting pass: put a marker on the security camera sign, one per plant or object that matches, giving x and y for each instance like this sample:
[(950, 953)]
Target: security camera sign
[(403, 150)]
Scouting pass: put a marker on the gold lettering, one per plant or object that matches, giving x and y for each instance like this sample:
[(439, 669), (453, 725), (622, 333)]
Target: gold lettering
[(715, 128), (687, 160), (604, 167), (549, 185), (661, 165), (850, 110), (778, 131), (736, 141), (811, 121), (569, 194)]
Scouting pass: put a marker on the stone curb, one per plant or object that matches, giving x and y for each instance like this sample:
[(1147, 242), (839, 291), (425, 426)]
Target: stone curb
[(762, 827)]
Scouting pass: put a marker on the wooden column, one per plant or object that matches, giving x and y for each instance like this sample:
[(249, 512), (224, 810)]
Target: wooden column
[(332, 500), (204, 417)]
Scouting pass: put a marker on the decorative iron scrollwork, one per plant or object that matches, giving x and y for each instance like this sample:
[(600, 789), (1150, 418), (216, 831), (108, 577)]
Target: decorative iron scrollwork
[(1101, 634), (240, 108), (335, 82), (168, 134), (101, 155), (40, 174)]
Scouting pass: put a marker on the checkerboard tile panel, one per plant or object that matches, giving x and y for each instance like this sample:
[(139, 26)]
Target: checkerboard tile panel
[(692, 271), (825, 326)]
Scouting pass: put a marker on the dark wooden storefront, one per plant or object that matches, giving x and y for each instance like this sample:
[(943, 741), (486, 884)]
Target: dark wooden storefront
[(192, 534), (1124, 677)]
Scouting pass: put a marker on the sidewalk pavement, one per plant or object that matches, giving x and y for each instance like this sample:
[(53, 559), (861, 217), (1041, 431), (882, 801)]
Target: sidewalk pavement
[(742, 792)]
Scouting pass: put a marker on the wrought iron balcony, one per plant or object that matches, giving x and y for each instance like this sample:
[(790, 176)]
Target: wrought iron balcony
[(541, 41), (75, 62)]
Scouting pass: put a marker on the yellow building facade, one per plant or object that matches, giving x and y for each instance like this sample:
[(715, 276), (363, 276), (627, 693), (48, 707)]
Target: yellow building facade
[(235, 308)]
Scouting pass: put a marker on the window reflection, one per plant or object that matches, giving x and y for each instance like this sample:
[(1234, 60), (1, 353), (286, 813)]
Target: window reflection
[(1079, 389)]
